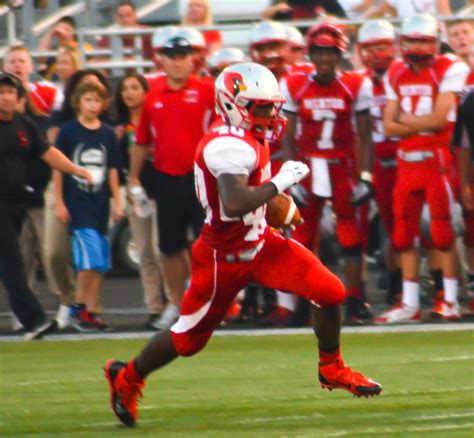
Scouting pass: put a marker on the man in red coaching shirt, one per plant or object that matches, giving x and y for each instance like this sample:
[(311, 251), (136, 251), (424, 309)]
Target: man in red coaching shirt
[(175, 117)]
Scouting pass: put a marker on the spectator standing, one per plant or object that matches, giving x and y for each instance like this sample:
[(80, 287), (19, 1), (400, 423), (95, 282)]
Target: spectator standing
[(88, 141), (57, 244), (42, 95), (177, 112), (198, 13), (297, 9), (21, 141), (61, 36), (67, 63), (125, 16), (129, 100), (460, 37)]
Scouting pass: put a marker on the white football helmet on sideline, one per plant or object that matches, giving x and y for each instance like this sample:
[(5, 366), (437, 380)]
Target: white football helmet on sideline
[(242, 87), (419, 27), (223, 58), (370, 34)]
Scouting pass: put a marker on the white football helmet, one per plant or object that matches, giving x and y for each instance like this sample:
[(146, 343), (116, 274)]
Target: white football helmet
[(294, 37), (371, 33), (419, 27), (224, 58), (242, 87), (269, 45)]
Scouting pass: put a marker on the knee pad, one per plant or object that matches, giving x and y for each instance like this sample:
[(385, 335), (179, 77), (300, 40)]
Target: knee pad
[(402, 237), (348, 233), (187, 344), (353, 254), (442, 233)]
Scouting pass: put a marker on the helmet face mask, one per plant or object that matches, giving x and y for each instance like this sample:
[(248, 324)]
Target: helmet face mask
[(376, 45), (241, 91), (272, 54)]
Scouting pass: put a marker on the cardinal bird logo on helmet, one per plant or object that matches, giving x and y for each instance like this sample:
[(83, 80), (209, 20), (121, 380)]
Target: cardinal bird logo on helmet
[(234, 83)]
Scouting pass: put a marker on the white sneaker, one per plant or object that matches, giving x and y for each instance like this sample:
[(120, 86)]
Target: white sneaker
[(62, 317), (17, 326), (401, 313), (448, 311), (168, 317), (45, 328)]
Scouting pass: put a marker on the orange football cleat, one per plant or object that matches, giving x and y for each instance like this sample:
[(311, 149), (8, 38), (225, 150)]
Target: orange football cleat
[(336, 375), (124, 396)]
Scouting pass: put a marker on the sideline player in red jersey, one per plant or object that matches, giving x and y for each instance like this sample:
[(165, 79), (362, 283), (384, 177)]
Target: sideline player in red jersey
[(421, 95), (233, 182), (377, 51), (326, 103)]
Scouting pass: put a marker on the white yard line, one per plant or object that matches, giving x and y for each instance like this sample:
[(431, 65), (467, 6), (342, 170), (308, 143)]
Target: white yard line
[(448, 327)]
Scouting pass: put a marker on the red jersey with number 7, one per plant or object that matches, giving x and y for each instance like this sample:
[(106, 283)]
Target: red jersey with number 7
[(417, 93), (326, 111), (229, 150)]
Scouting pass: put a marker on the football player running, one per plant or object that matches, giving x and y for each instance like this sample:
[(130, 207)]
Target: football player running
[(326, 103), (234, 183), (421, 95), (377, 50)]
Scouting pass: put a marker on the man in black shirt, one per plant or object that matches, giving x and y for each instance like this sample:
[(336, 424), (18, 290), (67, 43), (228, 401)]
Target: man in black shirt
[(463, 139), (21, 142)]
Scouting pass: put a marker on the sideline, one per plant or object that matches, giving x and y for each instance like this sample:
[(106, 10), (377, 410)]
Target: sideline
[(442, 327)]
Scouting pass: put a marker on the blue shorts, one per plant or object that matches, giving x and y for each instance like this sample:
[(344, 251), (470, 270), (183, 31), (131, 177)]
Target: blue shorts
[(90, 250)]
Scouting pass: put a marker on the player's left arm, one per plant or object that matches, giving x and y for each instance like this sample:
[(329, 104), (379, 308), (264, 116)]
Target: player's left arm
[(452, 82), (434, 121), (238, 198)]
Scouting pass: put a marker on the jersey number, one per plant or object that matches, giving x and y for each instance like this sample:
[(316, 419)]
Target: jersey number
[(328, 118), (424, 105)]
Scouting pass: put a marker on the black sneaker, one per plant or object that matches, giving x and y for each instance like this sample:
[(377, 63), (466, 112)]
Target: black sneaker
[(42, 329), (357, 311), (153, 318)]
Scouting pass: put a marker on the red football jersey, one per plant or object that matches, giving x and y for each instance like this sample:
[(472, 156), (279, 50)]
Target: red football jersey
[(230, 150), (417, 93), (384, 147), (326, 111)]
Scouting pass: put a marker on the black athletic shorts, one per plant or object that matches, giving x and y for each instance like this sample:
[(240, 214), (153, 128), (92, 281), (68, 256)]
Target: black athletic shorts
[(179, 211)]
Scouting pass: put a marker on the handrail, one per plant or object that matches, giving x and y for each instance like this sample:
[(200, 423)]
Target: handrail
[(51, 20)]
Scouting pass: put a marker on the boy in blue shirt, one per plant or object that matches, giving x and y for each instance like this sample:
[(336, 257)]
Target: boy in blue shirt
[(89, 142)]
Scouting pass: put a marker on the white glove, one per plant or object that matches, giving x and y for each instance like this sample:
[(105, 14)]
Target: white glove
[(292, 172)]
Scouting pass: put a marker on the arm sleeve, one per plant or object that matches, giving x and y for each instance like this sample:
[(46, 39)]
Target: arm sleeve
[(290, 105), (143, 133), (229, 155), (364, 96), (454, 78)]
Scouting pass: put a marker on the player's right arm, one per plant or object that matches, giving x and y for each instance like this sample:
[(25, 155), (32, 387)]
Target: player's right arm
[(392, 127), (288, 140)]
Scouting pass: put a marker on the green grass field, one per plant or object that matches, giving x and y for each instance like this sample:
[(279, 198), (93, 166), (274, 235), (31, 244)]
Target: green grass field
[(246, 387)]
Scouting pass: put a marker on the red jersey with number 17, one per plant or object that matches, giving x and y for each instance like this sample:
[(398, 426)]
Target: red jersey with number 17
[(326, 111), (230, 150), (417, 93)]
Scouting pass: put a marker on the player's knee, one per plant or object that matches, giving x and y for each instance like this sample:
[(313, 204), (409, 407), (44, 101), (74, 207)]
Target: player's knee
[(442, 233), (347, 233), (188, 345), (335, 293)]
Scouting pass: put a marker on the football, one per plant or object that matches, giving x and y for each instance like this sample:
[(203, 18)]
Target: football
[(282, 212)]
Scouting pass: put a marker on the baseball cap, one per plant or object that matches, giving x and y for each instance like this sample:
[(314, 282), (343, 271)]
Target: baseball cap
[(13, 81), (176, 45)]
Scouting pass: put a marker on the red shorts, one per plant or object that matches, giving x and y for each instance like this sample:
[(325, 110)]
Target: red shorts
[(281, 264)]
